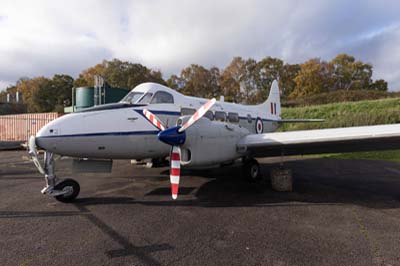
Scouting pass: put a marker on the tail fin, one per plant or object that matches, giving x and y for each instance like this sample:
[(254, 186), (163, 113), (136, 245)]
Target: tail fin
[(273, 104)]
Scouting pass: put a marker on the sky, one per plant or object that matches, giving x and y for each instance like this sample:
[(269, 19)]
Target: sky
[(42, 38)]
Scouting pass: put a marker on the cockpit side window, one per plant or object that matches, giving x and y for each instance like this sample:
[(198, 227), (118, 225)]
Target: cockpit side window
[(132, 97), (162, 97), (146, 98)]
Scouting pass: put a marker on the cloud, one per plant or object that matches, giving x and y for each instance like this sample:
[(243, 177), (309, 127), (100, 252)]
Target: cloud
[(47, 37)]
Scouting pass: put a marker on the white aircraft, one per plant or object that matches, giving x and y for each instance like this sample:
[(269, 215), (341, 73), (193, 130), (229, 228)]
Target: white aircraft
[(154, 121)]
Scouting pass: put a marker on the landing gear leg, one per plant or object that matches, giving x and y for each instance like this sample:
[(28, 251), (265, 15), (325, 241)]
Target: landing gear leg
[(49, 175), (65, 190)]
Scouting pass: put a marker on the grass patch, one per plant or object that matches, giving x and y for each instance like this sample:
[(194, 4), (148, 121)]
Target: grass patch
[(349, 114), (391, 155)]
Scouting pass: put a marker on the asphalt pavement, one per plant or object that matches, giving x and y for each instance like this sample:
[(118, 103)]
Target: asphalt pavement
[(341, 212)]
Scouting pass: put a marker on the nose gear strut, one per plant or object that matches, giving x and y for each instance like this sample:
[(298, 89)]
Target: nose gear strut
[(64, 190)]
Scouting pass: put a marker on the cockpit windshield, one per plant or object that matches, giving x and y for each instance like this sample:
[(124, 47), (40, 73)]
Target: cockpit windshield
[(146, 98), (158, 97), (132, 97)]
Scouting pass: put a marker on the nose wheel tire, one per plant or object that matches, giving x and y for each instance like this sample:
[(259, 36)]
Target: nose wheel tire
[(252, 171), (71, 189)]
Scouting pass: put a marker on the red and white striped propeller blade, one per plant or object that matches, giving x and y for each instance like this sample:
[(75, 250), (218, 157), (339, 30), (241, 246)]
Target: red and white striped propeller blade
[(199, 114), (175, 170), (153, 119)]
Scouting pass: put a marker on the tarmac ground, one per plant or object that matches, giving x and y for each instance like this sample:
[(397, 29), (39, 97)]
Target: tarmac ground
[(341, 212)]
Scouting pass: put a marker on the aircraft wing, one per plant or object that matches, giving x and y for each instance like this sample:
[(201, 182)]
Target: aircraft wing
[(366, 138)]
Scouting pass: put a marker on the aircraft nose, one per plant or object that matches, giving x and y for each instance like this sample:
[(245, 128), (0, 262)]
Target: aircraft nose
[(44, 137), (48, 130)]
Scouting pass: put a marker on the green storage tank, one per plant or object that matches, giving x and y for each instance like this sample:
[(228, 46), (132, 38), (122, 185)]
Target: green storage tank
[(84, 97), (115, 94)]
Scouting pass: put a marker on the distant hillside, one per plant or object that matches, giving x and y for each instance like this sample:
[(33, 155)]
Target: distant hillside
[(347, 114)]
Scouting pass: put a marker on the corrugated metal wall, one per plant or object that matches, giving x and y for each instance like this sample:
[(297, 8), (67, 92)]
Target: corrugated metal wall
[(20, 127)]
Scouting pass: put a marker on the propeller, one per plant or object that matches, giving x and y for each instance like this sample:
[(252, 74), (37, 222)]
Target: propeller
[(153, 119), (176, 136)]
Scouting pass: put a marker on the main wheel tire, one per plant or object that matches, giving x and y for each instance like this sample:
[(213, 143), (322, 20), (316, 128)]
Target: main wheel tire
[(252, 171), (71, 186)]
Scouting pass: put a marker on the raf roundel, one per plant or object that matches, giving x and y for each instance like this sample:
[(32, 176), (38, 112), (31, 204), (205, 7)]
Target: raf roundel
[(259, 126)]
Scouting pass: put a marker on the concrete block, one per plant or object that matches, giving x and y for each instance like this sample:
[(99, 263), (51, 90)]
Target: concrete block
[(282, 180)]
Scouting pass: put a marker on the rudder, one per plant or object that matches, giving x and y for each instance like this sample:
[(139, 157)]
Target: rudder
[(273, 102)]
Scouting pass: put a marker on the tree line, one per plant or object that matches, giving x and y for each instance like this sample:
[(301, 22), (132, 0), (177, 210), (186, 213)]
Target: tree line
[(241, 81)]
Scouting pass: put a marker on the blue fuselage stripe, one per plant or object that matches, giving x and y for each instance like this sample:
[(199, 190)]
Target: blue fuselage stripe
[(123, 133)]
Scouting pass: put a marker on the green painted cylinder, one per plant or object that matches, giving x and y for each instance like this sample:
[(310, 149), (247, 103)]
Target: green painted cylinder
[(115, 94), (84, 97)]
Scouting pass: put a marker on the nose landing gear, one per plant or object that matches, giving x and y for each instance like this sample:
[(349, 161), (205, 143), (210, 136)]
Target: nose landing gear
[(69, 188), (64, 190)]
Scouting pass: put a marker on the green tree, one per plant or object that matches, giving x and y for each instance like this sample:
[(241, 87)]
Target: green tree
[(61, 88), (44, 97), (349, 74), (267, 70), (52, 93), (379, 85)]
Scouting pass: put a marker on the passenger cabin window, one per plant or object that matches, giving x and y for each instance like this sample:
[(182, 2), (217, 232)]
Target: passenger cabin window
[(233, 117), (187, 111), (220, 116), (146, 98), (209, 115), (162, 97)]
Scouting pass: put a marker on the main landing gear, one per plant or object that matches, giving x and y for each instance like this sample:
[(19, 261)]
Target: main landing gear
[(281, 178), (63, 190), (251, 170)]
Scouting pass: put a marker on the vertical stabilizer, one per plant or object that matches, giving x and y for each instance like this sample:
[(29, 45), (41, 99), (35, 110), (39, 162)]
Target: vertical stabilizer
[(273, 104)]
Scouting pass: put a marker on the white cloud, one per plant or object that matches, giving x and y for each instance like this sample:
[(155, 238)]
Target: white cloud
[(48, 37)]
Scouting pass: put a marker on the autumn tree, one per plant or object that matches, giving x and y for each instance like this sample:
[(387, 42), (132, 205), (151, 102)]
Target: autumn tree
[(239, 80), (313, 78), (120, 74), (28, 88), (198, 81), (287, 83), (230, 80)]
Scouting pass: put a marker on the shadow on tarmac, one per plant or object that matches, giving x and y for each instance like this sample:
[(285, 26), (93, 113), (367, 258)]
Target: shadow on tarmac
[(316, 181)]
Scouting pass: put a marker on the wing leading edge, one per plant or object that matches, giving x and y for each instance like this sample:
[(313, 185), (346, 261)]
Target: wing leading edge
[(366, 138)]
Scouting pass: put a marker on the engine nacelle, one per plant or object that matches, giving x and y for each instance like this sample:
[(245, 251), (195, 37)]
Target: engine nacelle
[(211, 142)]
